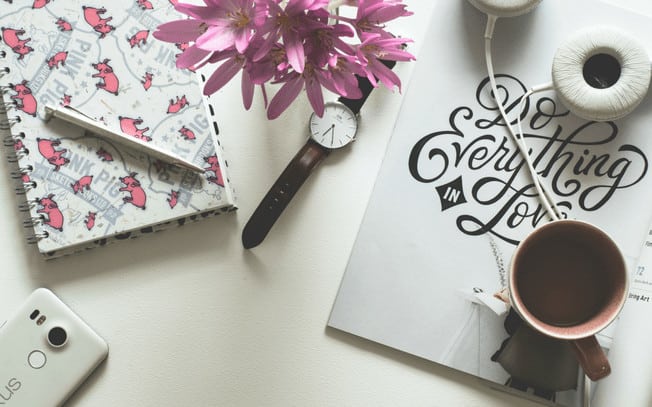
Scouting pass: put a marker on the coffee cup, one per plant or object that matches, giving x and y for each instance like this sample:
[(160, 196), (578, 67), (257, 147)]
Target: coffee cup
[(568, 280)]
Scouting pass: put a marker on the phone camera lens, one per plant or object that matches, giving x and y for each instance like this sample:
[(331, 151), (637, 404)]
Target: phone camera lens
[(57, 337)]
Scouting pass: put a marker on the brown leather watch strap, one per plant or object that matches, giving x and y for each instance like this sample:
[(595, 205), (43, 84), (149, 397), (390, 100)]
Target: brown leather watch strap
[(280, 194)]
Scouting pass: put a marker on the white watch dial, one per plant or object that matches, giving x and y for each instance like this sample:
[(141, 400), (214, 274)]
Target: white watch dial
[(336, 128)]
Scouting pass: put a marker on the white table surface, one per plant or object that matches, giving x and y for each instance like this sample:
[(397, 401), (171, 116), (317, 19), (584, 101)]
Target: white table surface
[(193, 319)]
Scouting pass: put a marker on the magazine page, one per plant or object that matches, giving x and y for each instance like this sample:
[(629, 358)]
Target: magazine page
[(454, 197), (631, 355)]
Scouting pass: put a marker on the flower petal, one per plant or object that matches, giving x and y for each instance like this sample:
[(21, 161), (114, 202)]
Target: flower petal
[(191, 57), (315, 96), (179, 31), (294, 50), (286, 95), (201, 13), (216, 39), (247, 88), (221, 76)]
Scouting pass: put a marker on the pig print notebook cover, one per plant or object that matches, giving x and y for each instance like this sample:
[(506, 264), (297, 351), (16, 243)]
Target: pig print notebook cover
[(101, 59)]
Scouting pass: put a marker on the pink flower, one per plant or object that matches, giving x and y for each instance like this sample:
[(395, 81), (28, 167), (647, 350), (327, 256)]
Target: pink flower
[(296, 44), (375, 47), (226, 23), (325, 40), (253, 74), (293, 83), (341, 74), (289, 24), (373, 14)]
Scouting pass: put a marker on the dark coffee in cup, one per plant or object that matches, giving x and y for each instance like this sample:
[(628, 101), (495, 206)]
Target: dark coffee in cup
[(568, 280)]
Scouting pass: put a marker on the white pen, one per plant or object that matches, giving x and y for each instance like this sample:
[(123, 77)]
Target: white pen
[(77, 118)]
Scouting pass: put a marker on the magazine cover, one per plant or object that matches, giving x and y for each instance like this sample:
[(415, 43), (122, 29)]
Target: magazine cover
[(454, 196)]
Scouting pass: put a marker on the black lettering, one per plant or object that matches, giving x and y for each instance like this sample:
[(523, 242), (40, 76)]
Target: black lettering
[(582, 166)]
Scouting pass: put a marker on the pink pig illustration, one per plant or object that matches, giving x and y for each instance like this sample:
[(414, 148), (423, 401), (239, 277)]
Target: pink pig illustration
[(40, 3), (65, 100), (110, 81), (215, 167), (99, 24), (24, 97), (145, 4), (58, 58), (147, 80), (90, 220), (82, 183), (137, 196), (173, 199), (104, 155), (11, 37), (48, 150), (130, 126), (50, 208), (19, 145), (177, 105), (139, 38), (186, 133), (63, 24)]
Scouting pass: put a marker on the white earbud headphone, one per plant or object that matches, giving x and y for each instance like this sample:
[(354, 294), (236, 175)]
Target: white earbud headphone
[(599, 74), (508, 8), (505, 8)]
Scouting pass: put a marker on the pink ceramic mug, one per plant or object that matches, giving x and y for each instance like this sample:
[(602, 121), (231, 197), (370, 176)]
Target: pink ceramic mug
[(568, 280)]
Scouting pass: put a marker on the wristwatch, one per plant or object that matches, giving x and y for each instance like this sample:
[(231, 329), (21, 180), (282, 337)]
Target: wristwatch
[(335, 129)]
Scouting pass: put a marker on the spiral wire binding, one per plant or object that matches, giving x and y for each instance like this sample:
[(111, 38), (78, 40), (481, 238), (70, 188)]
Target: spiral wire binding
[(27, 205), (21, 172), (6, 106), (34, 221), (25, 186), (19, 151), (9, 122), (37, 236)]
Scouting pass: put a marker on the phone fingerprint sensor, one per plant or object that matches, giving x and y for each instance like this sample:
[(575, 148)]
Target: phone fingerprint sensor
[(37, 359)]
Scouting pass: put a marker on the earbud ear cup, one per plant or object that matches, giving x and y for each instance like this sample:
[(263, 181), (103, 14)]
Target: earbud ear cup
[(601, 73), (505, 8)]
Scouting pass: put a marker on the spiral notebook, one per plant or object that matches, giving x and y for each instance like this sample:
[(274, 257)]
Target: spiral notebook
[(100, 58)]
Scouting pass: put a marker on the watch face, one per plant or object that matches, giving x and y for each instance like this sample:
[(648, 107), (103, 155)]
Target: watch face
[(336, 128)]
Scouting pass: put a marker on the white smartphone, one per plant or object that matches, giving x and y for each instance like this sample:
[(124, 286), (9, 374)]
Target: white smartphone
[(46, 352)]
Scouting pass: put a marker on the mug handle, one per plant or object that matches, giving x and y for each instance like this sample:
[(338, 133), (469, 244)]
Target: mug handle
[(591, 357)]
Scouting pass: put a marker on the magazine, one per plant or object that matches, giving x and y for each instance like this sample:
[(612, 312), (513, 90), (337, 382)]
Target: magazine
[(454, 197)]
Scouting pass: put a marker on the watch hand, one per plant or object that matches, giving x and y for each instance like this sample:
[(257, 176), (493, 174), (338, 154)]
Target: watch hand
[(328, 129), (332, 130)]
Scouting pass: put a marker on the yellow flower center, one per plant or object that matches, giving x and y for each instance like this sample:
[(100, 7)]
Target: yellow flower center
[(238, 18), (375, 50)]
